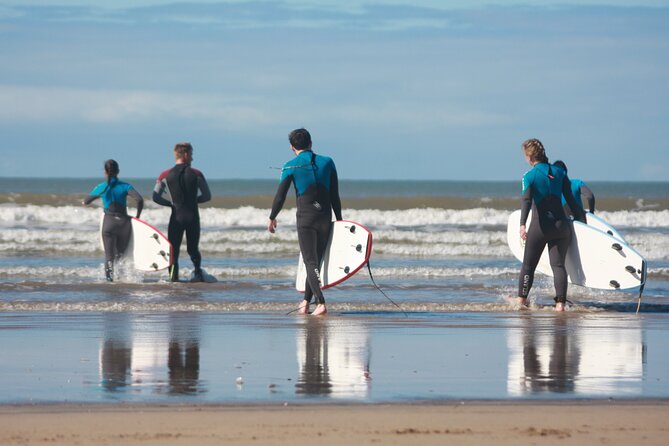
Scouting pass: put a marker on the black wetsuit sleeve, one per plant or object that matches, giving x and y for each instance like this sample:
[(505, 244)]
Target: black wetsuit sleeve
[(280, 196), (576, 210), (589, 196), (525, 205), (204, 188), (139, 199), (334, 194), (160, 200), (158, 194), (91, 198)]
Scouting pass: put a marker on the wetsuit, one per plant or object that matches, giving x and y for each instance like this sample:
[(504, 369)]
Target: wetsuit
[(317, 188), (543, 187), (178, 187), (578, 189), (116, 227)]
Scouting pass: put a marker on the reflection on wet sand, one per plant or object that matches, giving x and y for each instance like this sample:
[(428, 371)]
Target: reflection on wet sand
[(333, 358), (155, 354), (116, 352), (574, 356)]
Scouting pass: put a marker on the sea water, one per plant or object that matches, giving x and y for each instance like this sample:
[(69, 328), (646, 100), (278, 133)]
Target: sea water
[(439, 252)]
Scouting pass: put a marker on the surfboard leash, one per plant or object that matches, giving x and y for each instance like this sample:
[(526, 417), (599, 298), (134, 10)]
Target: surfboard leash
[(369, 268), (644, 276)]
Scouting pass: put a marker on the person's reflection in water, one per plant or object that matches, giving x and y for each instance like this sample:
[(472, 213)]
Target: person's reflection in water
[(333, 358), (116, 353), (183, 359), (314, 369), (564, 356)]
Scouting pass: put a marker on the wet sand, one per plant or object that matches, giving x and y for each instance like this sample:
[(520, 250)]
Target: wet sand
[(475, 423)]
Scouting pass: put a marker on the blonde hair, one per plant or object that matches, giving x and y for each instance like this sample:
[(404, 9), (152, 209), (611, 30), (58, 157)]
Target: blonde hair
[(535, 151), (181, 149)]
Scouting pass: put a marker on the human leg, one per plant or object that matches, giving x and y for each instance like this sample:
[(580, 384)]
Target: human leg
[(557, 253), (534, 246), (192, 246), (308, 240), (124, 232), (175, 233), (323, 229), (109, 241)]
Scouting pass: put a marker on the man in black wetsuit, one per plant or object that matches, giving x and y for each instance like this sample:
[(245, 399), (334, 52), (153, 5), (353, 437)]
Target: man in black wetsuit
[(317, 188), (183, 188)]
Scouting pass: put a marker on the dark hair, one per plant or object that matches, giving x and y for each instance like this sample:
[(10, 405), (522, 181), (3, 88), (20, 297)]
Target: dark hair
[(182, 148), (300, 139), (111, 169), (561, 163)]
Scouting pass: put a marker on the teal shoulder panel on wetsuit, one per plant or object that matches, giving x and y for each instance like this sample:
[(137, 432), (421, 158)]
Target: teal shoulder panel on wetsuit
[(306, 173), (545, 179), (117, 192)]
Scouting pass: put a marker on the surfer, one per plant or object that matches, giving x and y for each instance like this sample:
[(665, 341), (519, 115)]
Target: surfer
[(543, 187), (183, 188), (317, 189), (116, 226), (578, 189)]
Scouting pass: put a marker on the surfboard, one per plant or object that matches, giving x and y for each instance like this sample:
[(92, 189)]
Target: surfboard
[(148, 248), (595, 259), (599, 223), (348, 250)]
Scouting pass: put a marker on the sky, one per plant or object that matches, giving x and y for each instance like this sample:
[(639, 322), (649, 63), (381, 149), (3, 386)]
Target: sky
[(391, 89)]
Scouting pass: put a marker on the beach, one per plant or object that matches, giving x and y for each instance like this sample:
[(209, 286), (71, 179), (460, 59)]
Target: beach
[(467, 423), (142, 360)]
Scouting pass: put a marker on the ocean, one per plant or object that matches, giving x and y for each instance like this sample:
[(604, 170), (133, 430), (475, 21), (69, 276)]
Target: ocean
[(439, 252)]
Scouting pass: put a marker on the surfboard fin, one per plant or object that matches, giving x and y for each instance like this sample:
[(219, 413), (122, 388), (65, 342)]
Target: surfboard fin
[(155, 237), (614, 284), (352, 229), (154, 266), (358, 248), (630, 269), (617, 247)]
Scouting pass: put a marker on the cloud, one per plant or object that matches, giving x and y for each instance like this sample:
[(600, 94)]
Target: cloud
[(53, 105), (367, 15)]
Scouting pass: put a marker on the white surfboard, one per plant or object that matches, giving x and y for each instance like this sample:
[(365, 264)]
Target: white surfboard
[(348, 250), (148, 248), (595, 259), (599, 223)]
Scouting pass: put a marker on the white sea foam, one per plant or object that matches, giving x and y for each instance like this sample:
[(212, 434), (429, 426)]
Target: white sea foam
[(75, 216), (71, 230)]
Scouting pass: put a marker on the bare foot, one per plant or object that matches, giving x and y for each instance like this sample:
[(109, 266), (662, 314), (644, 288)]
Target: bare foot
[(559, 306), (320, 310), (303, 308)]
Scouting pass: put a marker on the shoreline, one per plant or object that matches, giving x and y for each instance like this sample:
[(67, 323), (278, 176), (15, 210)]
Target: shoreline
[(477, 422)]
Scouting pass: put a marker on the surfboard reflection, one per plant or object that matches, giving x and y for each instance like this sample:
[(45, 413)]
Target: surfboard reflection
[(575, 356), (333, 358), (157, 354)]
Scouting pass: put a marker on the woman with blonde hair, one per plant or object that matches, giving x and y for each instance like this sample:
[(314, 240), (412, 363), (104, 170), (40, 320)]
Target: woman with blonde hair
[(543, 188)]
